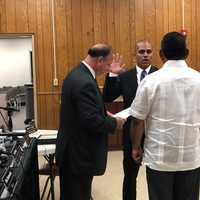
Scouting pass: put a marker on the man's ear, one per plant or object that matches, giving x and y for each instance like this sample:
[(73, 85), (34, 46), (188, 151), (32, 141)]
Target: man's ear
[(162, 56), (100, 58), (186, 53)]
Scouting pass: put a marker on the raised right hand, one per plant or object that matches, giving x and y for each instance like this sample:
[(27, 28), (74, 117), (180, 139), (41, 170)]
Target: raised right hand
[(117, 66)]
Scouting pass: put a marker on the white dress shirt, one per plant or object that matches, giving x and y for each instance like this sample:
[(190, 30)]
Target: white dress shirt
[(169, 102), (139, 72)]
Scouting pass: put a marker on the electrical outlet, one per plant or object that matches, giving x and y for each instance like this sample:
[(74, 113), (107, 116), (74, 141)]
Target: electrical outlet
[(55, 82)]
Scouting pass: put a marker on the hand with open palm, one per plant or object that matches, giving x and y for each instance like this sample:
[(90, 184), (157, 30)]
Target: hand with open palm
[(117, 66)]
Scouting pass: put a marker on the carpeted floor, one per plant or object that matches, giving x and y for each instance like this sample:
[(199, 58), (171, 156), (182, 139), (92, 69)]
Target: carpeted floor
[(109, 186)]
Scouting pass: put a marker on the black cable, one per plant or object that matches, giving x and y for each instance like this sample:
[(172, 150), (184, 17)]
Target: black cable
[(4, 119), (12, 168)]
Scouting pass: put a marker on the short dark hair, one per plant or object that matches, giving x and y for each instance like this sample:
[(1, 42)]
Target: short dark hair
[(102, 51), (173, 46)]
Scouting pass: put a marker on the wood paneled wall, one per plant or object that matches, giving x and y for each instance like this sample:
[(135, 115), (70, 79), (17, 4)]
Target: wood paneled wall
[(81, 23)]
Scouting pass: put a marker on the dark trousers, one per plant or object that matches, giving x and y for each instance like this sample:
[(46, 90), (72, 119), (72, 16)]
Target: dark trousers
[(130, 176), (180, 185), (74, 187)]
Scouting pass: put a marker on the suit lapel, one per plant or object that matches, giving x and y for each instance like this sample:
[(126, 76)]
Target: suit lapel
[(129, 85), (133, 78), (100, 97), (97, 88), (152, 69)]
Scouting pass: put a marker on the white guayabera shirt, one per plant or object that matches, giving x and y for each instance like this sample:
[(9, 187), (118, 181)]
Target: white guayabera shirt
[(169, 102)]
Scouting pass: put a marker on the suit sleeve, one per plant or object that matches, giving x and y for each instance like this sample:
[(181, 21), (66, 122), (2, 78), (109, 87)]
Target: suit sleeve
[(90, 109), (112, 88)]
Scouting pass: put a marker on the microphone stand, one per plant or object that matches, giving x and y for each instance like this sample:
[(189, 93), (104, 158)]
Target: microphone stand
[(10, 123)]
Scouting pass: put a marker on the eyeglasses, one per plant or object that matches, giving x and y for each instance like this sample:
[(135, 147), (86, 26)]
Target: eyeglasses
[(142, 51)]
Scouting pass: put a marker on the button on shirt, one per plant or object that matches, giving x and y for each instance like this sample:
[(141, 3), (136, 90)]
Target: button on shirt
[(168, 101)]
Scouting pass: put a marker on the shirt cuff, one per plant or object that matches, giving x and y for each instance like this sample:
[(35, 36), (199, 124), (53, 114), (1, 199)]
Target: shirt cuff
[(112, 74), (137, 115)]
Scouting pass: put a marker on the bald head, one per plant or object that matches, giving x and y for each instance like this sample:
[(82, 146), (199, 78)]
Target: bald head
[(100, 45), (139, 42), (100, 50), (100, 57)]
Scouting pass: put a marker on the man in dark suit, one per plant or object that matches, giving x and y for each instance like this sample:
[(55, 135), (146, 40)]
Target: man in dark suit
[(125, 83), (81, 149)]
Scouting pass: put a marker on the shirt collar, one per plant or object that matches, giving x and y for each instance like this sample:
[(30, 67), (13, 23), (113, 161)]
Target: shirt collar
[(139, 70), (175, 63), (90, 69)]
